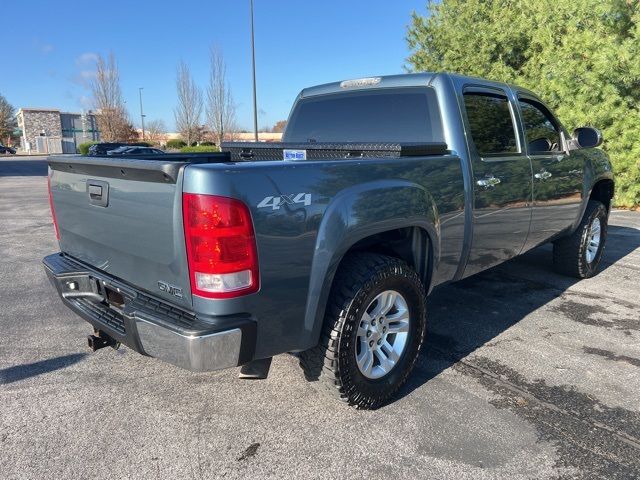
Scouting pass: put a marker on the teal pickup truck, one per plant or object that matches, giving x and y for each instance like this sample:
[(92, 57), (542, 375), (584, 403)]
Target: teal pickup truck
[(326, 245)]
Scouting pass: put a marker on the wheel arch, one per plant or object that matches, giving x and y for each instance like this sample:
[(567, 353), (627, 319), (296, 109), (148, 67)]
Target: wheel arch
[(603, 191), (412, 244), (598, 182), (370, 218)]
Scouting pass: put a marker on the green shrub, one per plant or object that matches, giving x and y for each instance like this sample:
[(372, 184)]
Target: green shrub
[(83, 148), (199, 149), (176, 143), (207, 144)]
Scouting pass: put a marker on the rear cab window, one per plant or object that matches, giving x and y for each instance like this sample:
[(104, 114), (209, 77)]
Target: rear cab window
[(394, 115)]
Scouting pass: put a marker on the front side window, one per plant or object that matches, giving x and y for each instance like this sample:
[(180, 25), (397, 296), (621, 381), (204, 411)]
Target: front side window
[(490, 123), (541, 131)]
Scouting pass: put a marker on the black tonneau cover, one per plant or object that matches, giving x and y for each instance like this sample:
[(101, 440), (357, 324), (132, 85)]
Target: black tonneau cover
[(252, 151), (151, 168), (165, 167)]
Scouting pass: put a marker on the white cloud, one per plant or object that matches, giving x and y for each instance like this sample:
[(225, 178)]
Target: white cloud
[(86, 58), (86, 69), (87, 74), (85, 102), (83, 76), (42, 47)]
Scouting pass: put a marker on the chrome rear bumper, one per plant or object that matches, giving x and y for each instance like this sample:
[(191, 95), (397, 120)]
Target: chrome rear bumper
[(201, 353), (149, 325)]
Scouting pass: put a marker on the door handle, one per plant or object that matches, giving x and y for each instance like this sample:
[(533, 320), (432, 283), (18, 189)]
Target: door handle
[(98, 191), (95, 192), (489, 182), (543, 175)]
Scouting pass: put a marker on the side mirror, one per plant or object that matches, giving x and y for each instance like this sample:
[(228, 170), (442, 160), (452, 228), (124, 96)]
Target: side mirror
[(587, 137)]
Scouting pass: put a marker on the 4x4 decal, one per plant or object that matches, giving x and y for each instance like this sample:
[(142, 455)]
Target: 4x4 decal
[(276, 202)]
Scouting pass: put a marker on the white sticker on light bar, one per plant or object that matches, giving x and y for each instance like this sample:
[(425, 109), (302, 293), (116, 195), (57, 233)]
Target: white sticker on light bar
[(360, 82)]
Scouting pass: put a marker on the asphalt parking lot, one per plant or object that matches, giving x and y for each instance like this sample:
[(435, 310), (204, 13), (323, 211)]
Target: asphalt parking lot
[(525, 374)]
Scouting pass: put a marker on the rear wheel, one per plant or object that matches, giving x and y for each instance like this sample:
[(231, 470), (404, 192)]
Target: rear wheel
[(579, 254), (374, 328)]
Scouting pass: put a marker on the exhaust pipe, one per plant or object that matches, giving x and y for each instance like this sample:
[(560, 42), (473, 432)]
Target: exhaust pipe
[(101, 340)]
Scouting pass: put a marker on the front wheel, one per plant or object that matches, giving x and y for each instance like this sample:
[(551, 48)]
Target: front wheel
[(374, 328), (579, 254)]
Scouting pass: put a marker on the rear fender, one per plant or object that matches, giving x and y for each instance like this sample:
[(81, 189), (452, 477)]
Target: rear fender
[(355, 214)]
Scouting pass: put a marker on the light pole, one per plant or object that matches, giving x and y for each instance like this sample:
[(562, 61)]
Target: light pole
[(141, 113), (253, 63)]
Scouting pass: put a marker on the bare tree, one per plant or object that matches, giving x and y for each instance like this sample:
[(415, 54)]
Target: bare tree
[(8, 121), (111, 114), (221, 111), (279, 126), (189, 108), (156, 130)]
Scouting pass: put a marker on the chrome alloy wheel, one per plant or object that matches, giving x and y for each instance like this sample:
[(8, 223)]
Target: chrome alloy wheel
[(594, 240), (382, 334)]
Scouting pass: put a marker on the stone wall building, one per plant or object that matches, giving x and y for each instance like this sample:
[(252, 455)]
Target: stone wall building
[(47, 130), (39, 122)]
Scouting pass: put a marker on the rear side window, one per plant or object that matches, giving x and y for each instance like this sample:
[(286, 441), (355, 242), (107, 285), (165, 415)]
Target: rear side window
[(540, 128), (399, 115), (490, 123)]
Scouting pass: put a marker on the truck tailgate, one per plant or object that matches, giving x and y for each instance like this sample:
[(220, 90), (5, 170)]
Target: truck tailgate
[(123, 216)]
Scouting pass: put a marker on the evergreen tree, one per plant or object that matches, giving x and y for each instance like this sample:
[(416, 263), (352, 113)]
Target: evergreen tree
[(582, 58)]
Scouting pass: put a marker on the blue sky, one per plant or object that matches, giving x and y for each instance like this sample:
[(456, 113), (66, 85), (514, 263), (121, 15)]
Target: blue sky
[(298, 44)]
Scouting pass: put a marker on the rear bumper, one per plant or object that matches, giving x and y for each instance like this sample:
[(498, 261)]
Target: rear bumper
[(148, 325)]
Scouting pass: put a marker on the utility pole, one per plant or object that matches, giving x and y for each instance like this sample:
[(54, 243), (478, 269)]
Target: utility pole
[(253, 62), (141, 113)]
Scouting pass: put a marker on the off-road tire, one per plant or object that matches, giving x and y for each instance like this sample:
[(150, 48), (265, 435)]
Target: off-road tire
[(331, 364), (570, 253)]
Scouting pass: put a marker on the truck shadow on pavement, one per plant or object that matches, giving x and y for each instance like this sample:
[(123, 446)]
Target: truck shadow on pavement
[(22, 372), (595, 439), (471, 313)]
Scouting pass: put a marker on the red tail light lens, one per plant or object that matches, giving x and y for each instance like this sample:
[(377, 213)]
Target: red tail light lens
[(53, 211), (221, 246)]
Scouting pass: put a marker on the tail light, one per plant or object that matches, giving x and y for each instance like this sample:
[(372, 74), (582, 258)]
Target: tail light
[(53, 210), (221, 246)]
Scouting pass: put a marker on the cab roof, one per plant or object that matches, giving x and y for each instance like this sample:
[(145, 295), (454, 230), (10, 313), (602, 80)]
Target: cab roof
[(401, 80)]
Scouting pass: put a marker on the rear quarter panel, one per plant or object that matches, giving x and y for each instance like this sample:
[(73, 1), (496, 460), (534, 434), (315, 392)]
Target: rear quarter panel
[(300, 246)]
